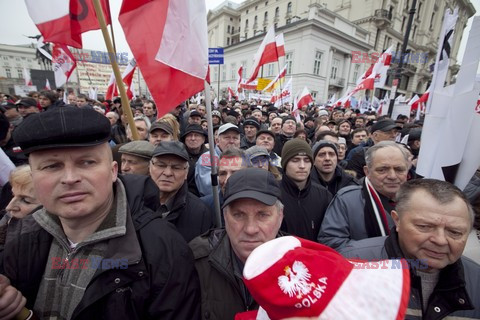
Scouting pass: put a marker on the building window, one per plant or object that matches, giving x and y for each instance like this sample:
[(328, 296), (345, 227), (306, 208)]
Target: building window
[(256, 7), (233, 71), (8, 72), (270, 69), (386, 44), (335, 64), (289, 62), (255, 21), (403, 23), (289, 21), (266, 3), (314, 94), (17, 59), (244, 69), (20, 73), (231, 19), (431, 21), (5, 58), (228, 29), (277, 12), (265, 17), (228, 41), (289, 8), (414, 32), (246, 24), (246, 35), (246, 11), (317, 63), (23, 58), (356, 71)]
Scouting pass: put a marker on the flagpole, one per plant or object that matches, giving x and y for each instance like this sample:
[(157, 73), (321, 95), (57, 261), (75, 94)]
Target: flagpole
[(213, 156), (116, 69), (280, 82), (111, 27)]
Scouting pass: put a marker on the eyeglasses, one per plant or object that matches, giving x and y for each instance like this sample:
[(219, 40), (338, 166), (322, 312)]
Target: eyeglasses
[(162, 166)]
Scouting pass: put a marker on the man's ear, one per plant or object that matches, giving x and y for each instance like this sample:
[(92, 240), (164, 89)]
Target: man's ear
[(396, 218), (365, 170)]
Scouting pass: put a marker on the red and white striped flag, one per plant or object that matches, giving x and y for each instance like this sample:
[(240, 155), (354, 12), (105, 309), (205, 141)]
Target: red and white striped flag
[(27, 77), (112, 88), (284, 96), (278, 78), (63, 21), (280, 43), (303, 99), (266, 53), (47, 85), (231, 94), (63, 63), (239, 78), (158, 31), (127, 77)]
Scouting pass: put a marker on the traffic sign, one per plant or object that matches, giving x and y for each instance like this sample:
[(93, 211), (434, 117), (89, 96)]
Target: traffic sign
[(215, 55)]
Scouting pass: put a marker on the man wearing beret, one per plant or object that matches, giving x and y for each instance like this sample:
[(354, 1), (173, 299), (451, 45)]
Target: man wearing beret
[(88, 253), (169, 170), (253, 213)]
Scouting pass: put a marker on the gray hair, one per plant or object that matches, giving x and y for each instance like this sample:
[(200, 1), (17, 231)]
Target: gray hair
[(442, 191), (370, 154)]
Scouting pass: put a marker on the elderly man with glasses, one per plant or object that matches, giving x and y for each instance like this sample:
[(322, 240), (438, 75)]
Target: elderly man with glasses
[(169, 170)]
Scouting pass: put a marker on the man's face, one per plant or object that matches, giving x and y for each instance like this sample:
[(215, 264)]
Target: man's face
[(72, 99), (265, 140), (111, 118), (250, 131), (337, 115), (216, 120), (169, 172), (229, 139), (359, 123), (74, 183), (326, 160), (257, 114), (249, 223), (24, 110), (359, 137), (81, 102), (298, 168), (44, 101), (388, 172), (309, 124), (432, 231), (194, 120), (141, 129), (342, 149), (138, 112), (202, 110), (289, 127), (379, 136), (194, 140), (134, 165), (271, 116), (227, 167), (148, 109), (276, 125), (156, 136), (344, 129)]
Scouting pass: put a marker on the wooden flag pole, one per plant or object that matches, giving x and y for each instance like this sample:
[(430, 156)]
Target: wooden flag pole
[(116, 69)]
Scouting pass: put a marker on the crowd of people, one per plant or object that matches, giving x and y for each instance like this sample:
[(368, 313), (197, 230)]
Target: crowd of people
[(98, 225)]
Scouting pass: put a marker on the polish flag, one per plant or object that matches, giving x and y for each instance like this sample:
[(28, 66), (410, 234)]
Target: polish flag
[(239, 78), (47, 85), (26, 77), (280, 43), (421, 101), (127, 77), (382, 66), (61, 21), (279, 77), (63, 63), (303, 99), (284, 96), (159, 33), (231, 94), (112, 88), (249, 86), (266, 53)]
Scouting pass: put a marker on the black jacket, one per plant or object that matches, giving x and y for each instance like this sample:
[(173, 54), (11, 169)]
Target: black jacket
[(159, 283), (340, 179), (192, 161), (457, 292), (303, 210), (357, 159), (280, 140), (189, 214)]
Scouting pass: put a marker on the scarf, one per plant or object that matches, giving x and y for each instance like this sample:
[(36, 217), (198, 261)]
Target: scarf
[(375, 216)]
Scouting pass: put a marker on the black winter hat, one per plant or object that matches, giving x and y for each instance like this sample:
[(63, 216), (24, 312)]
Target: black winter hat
[(322, 144), (293, 148)]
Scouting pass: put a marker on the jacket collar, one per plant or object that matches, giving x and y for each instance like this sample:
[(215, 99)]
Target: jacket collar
[(293, 189)]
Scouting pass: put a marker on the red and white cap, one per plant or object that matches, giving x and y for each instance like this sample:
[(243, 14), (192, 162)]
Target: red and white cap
[(293, 277)]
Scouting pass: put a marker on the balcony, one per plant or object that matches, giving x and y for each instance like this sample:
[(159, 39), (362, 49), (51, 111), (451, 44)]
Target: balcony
[(382, 18), (409, 69), (337, 82)]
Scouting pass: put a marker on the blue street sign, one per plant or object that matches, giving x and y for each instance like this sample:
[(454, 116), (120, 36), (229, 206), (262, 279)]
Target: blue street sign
[(215, 55)]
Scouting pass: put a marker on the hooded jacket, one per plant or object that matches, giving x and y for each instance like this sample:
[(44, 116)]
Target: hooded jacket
[(339, 180)]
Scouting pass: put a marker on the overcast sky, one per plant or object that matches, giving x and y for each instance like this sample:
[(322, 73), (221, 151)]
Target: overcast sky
[(16, 24)]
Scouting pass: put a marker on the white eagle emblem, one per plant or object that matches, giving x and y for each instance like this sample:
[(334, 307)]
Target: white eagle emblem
[(295, 282)]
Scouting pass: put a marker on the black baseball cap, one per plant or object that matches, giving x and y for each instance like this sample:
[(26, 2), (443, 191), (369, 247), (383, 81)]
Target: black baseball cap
[(385, 125), (252, 183), (27, 102), (175, 148)]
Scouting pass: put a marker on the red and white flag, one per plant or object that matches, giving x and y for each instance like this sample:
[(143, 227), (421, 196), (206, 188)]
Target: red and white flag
[(266, 53), (382, 68), (27, 77), (280, 43), (158, 33), (63, 63), (303, 99), (239, 78), (278, 78), (62, 21), (47, 85), (127, 77), (231, 95), (249, 86), (112, 88), (285, 96)]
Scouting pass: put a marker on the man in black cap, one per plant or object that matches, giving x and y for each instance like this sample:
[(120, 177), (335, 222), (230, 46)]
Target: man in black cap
[(169, 171), (88, 250), (195, 117), (266, 139), (194, 140), (27, 106), (253, 214), (160, 131), (383, 130), (250, 127), (289, 127)]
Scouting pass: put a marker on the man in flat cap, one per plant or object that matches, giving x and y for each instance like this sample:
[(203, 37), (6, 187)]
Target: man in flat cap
[(250, 127), (160, 131), (253, 214), (88, 254), (194, 139), (169, 170), (136, 157)]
